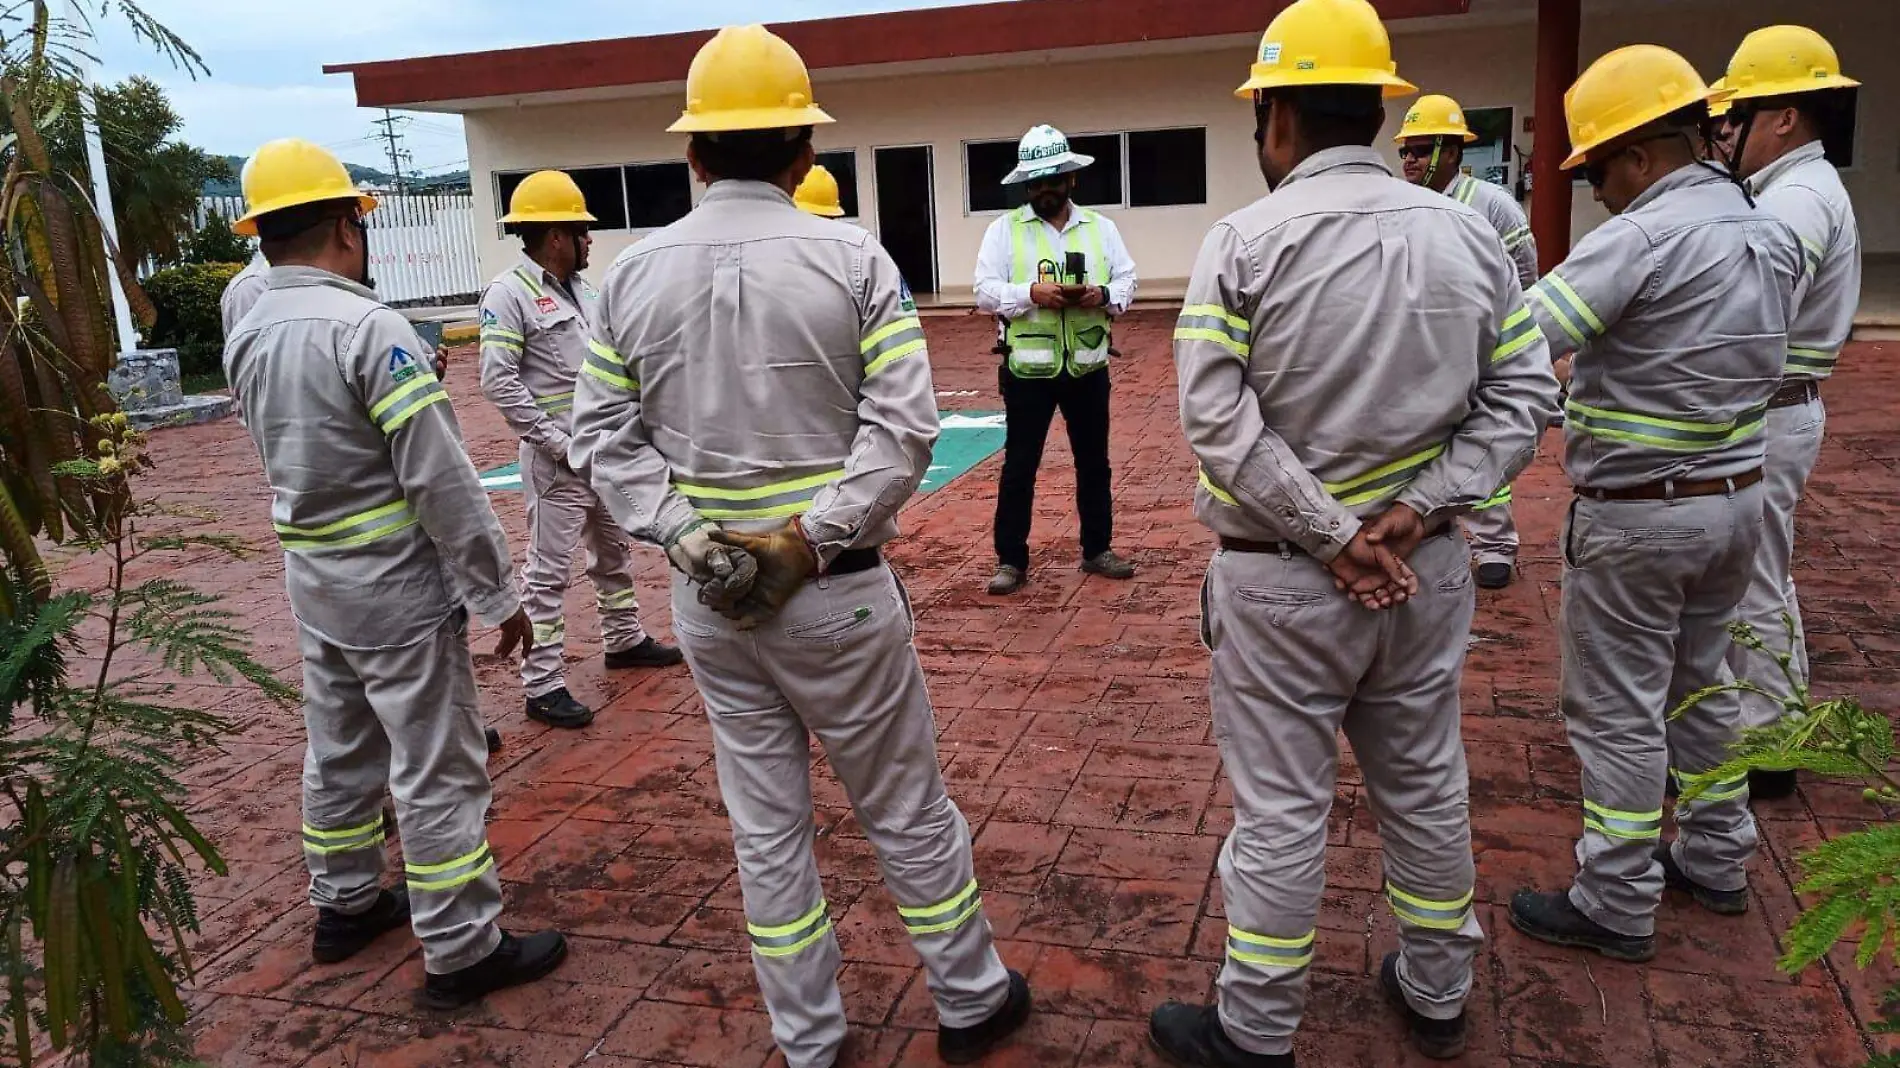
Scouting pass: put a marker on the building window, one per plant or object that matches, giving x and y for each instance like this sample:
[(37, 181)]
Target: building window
[(844, 167), (1489, 158), (1099, 185), (658, 194), (606, 198), (986, 164), (1167, 167)]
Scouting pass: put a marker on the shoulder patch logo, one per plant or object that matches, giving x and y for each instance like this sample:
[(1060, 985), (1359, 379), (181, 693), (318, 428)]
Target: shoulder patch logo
[(402, 366), (905, 302), (488, 318)]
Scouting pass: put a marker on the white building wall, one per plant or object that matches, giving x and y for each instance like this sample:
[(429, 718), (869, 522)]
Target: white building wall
[(1482, 62)]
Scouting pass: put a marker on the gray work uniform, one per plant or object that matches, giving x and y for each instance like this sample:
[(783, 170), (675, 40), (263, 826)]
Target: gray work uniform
[(1677, 310), (241, 293), (389, 546), (1430, 390), (1803, 190), (1490, 525), (534, 340), (754, 363)]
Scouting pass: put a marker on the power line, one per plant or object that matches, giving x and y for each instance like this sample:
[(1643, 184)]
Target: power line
[(391, 134)]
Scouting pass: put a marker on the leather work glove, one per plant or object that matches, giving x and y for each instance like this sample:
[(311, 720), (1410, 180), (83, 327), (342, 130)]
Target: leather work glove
[(724, 575), (785, 561)]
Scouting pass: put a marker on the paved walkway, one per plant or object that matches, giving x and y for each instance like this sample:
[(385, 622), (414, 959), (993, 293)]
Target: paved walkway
[(1074, 735)]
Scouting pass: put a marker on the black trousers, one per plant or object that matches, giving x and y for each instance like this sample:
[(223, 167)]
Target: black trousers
[(1031, 404)]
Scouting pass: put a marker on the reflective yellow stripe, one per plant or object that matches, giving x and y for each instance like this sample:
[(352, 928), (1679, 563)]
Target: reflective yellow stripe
[(1197, 333), (550, 633), (533, 286), (619, 600), (500, 344), (454, 881), (1221, 495), (501, 332), (1247, 947), (352, 541), (1804, 361), (347, 847), (342, 524), (1518, 333), (605, 364), (1383, 481), (554, 401), (1677, 435), (1501, 497), (944, 916), (786, 939), (1550, 305), (437, 869), (353, 832), (300, 538), (760, 492), (397, 420), (870, 344), (1215, 311), (609, 377), (1583, 310), (1716, 790), (1424, 912), (1616, 823), (908, 348), (420, 382)]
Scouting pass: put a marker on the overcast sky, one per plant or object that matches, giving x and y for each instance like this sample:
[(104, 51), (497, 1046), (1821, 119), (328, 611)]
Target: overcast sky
[(267, 56)]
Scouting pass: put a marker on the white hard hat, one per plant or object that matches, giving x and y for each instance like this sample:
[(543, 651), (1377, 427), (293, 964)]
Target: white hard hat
[(1045, 151)]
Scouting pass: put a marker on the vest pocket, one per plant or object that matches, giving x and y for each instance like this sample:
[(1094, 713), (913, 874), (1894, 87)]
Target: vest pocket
[(1035, 356)]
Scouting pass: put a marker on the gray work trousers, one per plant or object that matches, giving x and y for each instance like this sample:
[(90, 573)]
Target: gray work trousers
[(1794, 445), (1650, 588), (405, 719), (838, 663), (1295, 662), (1493, 534), (564, 511)]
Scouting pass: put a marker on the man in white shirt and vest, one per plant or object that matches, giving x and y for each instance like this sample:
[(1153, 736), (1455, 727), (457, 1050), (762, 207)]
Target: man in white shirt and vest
[(1055, 275)]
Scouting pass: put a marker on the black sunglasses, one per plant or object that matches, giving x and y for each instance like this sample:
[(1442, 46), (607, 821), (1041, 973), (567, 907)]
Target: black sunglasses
[(1417, 151), (1051, 183)]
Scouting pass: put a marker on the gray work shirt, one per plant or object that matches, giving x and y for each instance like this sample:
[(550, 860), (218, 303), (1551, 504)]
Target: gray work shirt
[(1804, 190)]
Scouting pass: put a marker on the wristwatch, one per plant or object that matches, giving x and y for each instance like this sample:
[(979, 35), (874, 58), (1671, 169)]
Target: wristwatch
[(1104, 290)]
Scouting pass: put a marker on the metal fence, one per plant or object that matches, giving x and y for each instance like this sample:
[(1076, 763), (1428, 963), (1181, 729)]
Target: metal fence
[(421, 247)]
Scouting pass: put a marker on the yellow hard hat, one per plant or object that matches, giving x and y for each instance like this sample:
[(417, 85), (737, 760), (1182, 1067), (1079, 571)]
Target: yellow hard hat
[(547, 197), (289, 173), (1779, 60), (1435, 116), (1626, 90), (818, 194), (1326, 42), (747, 78), (1719, 103)]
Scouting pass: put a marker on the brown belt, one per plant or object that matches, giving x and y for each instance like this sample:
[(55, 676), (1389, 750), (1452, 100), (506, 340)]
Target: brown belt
[(1287, 548), (1795, 391), (1674, 489)]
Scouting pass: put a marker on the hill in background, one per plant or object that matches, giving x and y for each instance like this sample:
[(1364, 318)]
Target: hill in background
[(358, 173)]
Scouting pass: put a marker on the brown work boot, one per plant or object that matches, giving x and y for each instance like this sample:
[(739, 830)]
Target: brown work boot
[(1109, 565), (1007, 580)]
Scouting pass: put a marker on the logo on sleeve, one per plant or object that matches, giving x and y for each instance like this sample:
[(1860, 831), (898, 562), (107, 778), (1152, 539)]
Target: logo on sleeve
[(488, 318), (402, 366), (905, 301)]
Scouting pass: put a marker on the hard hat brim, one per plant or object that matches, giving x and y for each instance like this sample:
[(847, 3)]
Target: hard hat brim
[(1407, 135), (1049, 168), (548, 217), (829, 211), (1579, 153), (739, 119), (246, 225), (1788, 87), (1391, 85)]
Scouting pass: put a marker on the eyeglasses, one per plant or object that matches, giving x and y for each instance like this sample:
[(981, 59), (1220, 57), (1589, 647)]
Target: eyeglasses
[(1417, 151), (1053, 184)]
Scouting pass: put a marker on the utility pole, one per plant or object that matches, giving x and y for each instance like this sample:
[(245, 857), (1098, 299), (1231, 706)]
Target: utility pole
[(102, 196), (389, 126)]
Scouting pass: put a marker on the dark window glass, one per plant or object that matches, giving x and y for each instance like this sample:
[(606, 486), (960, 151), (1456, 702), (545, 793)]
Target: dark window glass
[(658, 194), (844, 167), (605, 199), (1100, 183), (1167, 167), (505, 183), (1837, 123), (989, 162)]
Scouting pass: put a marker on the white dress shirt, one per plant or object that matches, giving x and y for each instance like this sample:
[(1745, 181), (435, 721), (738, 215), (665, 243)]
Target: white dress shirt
[(997, 294)]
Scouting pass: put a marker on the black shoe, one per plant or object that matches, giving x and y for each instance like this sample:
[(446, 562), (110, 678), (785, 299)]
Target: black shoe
[(1494, 576), (514, 962), (967, 1045), (341, 936), (1726, 902), (1007, 580), (559, 709), (648, 654), (493, 738), (1552, 918), (1109, 565), (1441, 1040), (1192, 1037), (1771, 785)]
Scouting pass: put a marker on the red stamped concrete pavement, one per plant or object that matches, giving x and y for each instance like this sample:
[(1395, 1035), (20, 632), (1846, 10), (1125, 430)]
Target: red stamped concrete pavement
[(1074, 735)]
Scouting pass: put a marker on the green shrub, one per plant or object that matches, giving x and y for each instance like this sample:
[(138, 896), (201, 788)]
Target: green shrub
[(188, 319), (216, 242)]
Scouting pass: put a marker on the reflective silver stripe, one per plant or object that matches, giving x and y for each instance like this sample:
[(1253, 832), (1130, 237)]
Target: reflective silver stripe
[(1713, 789), (402, 403), (605, 364), (452, 874), (1675, 435), (550, 633), (1519, 332), (1810, 361), (945, 915), (1382, 482), (358, 529), (772, 501), (555, 403), (1267, 951), (1616, 823), (787, 939), (618, 600), (1516, 238), (345, 840), (1425, 912), (890, 343)]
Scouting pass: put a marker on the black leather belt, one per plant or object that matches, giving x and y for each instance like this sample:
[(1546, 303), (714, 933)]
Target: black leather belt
[(852, 561), (1795, 391), (1675, 489), (1287, 548)]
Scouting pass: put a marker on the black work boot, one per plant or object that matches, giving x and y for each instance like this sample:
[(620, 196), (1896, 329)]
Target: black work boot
[(648, 654), (1441, 1040), (493, 737), (341, 936), (514, 962), (559, 709), (1191, 1036), (1494, 576), (1726, 902), (1550, 917), (1770, 785), (1110, 565), (967, 1045)]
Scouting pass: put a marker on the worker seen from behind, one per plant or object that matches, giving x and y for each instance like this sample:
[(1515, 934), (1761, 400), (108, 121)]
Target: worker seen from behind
[(1347, 394), (760, 382), (1677, 311), (1055, 274), (241, 292), (1432, 152), (389, 547), (535, 321), (1787, 91)]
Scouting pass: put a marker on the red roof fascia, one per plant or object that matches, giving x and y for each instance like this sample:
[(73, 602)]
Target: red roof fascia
[(894, 37)]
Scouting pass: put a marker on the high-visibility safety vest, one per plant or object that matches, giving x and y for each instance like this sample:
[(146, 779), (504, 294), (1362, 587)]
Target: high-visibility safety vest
[(1045, 342)]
